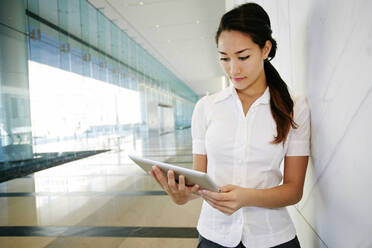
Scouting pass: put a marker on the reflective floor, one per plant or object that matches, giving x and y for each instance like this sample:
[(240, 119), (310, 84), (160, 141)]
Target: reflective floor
[(100, 201)]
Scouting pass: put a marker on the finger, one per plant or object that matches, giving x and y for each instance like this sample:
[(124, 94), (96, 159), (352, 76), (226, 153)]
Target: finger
[(227, 188), (217, 203), (172, 182), (215, 195), (181, 184), (152, 173), (224, 210), (206, 198), (222, 204), (162, 179)]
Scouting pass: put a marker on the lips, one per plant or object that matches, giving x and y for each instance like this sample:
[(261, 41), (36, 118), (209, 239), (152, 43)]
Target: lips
[(238, 79)]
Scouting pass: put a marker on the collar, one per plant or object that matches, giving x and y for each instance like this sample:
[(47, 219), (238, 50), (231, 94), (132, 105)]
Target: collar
[(225, 93), (231, 91)]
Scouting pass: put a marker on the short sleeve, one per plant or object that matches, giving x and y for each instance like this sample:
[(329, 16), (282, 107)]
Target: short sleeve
[(199, 128), (299, 138)]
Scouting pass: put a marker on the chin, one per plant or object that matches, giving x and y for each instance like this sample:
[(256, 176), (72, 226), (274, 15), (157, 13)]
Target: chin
[(240, 86)]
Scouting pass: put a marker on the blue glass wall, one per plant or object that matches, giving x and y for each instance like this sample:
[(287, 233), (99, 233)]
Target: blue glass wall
[(74, 37), (68, 33), (15, 123)]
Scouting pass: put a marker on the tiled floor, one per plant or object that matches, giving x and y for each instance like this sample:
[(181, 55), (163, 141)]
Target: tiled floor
[(101, 201)]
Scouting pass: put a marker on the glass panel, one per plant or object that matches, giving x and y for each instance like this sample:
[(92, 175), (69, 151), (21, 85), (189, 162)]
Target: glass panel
[(92, 24), (49, 48), (15, 123), (73, 17), (101, 36), (104, 83), (33, 6), (77, 53), (48, 10)]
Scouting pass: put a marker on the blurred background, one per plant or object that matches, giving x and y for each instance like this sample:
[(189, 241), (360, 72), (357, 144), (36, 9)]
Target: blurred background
[(83, 83)]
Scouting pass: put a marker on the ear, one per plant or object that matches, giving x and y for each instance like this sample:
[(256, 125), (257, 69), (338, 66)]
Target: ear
[(266, 49)]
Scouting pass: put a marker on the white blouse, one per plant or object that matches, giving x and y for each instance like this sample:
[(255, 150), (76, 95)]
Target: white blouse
[(239, 152)]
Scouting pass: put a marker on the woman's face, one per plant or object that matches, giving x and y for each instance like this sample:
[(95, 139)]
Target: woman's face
[(242, 59)]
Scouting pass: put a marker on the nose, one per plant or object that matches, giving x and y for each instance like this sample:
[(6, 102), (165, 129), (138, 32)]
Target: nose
[(234, 68)]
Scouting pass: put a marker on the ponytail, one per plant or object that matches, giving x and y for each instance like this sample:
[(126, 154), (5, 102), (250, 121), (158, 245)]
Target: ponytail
[(281, 103)]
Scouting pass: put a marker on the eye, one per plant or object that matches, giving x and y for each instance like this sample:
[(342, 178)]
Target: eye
[(224, 59), (244, 58)]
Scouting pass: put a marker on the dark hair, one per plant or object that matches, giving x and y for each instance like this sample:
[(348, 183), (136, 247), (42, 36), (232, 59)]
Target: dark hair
[(252, 19)]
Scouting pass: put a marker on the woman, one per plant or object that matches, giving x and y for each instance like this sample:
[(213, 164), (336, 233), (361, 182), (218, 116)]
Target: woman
[(240, 137)]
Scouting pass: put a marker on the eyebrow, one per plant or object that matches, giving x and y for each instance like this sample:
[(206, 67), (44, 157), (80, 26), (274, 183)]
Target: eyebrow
[(237, 51)]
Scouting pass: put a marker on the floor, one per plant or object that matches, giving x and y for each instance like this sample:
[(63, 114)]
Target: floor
[(100, 201)]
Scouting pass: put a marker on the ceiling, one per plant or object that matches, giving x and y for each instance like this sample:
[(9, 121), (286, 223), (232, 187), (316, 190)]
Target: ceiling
[(178, 33)]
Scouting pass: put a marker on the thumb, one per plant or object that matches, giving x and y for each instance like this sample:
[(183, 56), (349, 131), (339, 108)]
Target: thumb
[(195, 188), (227, 188)]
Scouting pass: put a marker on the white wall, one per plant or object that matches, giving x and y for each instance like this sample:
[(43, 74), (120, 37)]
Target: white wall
[(213, 85), (325, 51)]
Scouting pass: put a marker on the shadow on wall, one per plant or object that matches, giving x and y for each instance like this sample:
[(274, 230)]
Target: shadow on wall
[(339, 91)]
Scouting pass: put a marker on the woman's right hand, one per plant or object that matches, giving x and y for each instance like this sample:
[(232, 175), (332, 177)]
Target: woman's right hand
[(179, 192)]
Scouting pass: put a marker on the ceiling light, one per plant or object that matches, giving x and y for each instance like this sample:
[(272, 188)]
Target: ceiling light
[(157, 26), (141, 3), (197, 21)]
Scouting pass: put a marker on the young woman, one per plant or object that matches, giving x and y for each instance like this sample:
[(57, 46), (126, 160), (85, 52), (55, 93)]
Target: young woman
[(240, 137)]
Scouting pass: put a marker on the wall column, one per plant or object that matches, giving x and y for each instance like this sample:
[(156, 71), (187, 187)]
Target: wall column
[(15, 120)]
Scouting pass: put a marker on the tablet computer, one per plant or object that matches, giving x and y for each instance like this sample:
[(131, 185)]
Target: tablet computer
[(191, 176)]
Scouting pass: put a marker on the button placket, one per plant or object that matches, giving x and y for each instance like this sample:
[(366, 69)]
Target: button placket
[(239, 143), (248, 133)]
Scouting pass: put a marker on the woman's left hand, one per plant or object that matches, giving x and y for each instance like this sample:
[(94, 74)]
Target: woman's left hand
[(230, 199)]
